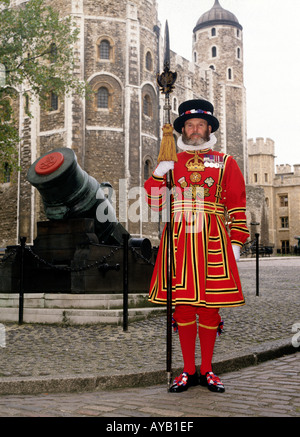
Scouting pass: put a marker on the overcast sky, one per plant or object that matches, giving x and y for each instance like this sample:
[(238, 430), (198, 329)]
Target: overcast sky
[(271, 62)]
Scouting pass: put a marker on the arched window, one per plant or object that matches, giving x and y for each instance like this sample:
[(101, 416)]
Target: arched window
[(175, 104), (53, 53), (213, 31), (229, 74), (53, 101), (6, 109), (7, 172), (214, 52), (102, 98), (147, 106), (104, 49), (149, 62), (147, 169), (195, 56), (27, 104), (238, 53)]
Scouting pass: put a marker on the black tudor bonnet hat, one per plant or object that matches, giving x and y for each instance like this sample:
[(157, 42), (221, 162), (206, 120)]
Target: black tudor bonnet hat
[(196, 109)]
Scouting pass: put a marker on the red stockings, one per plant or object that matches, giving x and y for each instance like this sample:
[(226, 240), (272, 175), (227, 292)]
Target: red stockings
[(209, 320)]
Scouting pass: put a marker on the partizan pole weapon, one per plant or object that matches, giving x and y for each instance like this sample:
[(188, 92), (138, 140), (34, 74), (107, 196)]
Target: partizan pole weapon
[(167, 152)]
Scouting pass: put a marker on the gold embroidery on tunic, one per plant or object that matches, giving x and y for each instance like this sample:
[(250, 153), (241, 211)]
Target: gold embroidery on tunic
[(195, 177), (195, 163)]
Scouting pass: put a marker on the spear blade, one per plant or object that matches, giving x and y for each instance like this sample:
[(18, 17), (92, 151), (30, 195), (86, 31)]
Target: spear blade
[(167, 79), (167, 47)]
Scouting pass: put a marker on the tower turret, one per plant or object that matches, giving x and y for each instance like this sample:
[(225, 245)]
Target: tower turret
[(218, 40)]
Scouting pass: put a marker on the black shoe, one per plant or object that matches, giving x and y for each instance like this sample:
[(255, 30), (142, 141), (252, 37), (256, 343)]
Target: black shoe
[(212, 382), (183, 382)]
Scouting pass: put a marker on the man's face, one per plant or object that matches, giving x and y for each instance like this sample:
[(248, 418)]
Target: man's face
[(196, 131)]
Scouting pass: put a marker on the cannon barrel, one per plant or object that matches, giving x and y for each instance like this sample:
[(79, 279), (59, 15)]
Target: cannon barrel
[(69, 192)]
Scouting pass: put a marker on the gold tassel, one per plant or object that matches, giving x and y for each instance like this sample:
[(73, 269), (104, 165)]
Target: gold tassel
[(167, 148)]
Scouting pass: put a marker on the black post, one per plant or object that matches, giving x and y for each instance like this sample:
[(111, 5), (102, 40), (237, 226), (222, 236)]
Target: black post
[(169, 283), (125, 282), (21, 295), (257, 264), (166, 82)]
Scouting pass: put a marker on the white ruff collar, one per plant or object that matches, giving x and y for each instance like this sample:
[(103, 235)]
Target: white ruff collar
[(186, 148)]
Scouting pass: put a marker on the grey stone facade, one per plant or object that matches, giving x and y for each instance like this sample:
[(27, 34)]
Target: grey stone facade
[(281, 191), (120, 142)]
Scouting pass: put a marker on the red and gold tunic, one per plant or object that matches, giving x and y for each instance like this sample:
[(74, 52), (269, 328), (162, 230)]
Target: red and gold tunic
[(206, 184)]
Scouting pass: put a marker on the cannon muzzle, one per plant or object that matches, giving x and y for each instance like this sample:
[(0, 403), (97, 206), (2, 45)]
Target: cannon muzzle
[(69, 192)]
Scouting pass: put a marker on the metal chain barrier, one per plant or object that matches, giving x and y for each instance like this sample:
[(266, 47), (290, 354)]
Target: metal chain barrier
[(104, 260), (101, 264), (139, 255), (73, 269), (76, 269), (9, 255), (247, 249)]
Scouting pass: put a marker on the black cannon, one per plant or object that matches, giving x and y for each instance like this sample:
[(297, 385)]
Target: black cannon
[(79, 249), (69, 192)]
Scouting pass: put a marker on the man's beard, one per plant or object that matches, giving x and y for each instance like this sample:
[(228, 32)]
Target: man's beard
[(196, 139)]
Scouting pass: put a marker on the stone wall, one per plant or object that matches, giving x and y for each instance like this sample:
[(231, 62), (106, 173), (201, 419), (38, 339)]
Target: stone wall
[(114, 144), (285, 183), (228, 93), (257, 213)]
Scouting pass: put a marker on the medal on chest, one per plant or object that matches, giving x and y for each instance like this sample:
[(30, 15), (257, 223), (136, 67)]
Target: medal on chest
[(197, 184), (195, 165)]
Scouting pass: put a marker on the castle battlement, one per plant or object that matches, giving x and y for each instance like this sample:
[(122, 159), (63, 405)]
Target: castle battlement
[(284, 169), (261, 146)]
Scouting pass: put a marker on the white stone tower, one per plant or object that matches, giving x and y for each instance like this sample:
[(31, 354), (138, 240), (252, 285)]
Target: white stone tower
[(218, 41)]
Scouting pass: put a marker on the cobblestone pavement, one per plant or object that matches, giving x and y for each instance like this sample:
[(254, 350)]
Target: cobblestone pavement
[(52, 358), (270, 389)]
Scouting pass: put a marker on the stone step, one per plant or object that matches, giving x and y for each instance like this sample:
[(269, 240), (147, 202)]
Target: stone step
[(75, 316), (74, 308), (61, 300)]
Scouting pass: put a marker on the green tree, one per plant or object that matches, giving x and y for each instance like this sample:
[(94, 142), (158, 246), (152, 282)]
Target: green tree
[(37, 50)]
